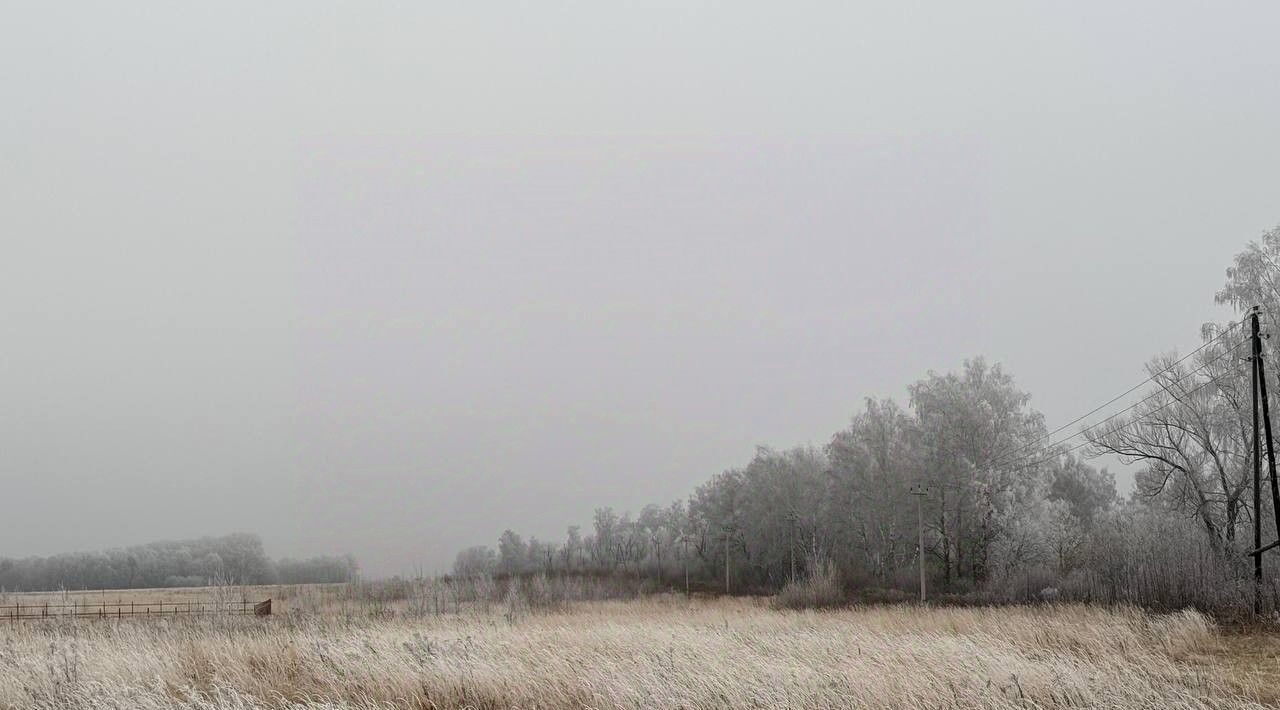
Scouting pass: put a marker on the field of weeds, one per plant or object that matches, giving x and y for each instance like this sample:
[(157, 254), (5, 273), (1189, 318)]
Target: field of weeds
[(663, 652)]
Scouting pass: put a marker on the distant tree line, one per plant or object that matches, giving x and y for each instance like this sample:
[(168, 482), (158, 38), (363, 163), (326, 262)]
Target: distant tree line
[(1010, 509), (849, 502), (231, 559)]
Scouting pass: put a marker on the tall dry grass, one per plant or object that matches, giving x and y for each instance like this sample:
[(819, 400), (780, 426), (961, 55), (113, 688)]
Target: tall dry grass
[(820, 588), (649, 653)]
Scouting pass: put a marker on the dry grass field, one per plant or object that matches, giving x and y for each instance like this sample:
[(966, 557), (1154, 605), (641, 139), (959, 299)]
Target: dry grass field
[(322, 652)]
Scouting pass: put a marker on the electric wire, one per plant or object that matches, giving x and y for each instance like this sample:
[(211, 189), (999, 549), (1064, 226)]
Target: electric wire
[(1125, 425), (1006, 456)]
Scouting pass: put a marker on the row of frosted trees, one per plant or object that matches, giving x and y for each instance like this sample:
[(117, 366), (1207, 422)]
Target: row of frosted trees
[(230, 559), (1010, 508), (760, 525)]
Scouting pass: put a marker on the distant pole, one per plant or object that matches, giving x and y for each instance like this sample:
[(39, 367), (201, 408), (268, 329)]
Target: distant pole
[(791, 518), (1257, 477), (686, 565), (920, 492), (1266, 421), (726, 560)]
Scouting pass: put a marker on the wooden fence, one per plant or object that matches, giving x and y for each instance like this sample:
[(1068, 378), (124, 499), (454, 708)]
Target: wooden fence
[(121, 609)]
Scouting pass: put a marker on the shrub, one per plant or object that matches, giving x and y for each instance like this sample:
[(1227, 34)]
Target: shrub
[(819, 589)]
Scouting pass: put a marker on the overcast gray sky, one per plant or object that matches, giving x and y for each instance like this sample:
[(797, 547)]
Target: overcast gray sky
[(386, 278)]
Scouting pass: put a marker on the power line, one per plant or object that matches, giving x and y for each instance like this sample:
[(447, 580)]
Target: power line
[(1135, 405), (1120, 427), (1004, 456), (1146, 399)]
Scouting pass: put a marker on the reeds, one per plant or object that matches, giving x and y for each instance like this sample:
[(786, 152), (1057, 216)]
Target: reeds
[(656, 652)]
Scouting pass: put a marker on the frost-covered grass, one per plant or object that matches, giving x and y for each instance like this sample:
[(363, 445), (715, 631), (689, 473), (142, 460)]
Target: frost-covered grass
[(651, 653)]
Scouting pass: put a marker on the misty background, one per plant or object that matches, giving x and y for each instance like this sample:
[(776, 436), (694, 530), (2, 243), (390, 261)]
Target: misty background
[(387, 279)]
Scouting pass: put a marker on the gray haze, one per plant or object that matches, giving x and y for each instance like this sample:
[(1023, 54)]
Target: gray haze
[(388, 278)]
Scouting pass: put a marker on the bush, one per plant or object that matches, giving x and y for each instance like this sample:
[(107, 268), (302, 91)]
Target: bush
[(819, 589)]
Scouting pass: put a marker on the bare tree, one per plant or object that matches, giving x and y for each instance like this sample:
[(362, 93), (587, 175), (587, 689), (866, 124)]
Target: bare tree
[(1191, 434)]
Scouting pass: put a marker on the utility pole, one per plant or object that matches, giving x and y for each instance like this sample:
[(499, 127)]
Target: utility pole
[(1266, 419), (684, 544), (728, 535), (791, 519), (920, 492), (1257, 478)]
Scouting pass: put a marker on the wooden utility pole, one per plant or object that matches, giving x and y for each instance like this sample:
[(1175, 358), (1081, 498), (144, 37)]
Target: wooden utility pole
[(1266, 420), (791, 520), (684, 541), (920, 492), (728, 535), (1257, 478)]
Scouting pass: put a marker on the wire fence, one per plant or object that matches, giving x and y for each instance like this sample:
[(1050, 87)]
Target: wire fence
[(121, 609)]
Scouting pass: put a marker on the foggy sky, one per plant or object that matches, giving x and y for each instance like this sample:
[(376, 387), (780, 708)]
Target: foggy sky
[(387, 278)]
